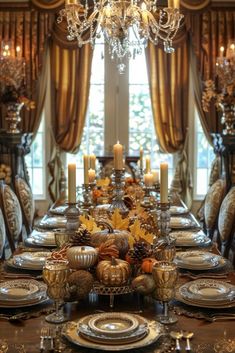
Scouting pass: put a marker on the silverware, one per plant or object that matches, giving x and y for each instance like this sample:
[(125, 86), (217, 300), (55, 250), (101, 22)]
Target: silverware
[(206, 275), (42, 339), (177, 336), (222, 317), (188, 335)]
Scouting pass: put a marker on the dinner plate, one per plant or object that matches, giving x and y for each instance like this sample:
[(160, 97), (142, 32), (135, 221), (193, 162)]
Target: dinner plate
[(205, 304), (175, 210), (70, 331), (180, 222), (31, 260), (208, 290), (197, 260), (52, 222), (17, 289), (36, 301), (113, 324), (190, 239), (59, 210)]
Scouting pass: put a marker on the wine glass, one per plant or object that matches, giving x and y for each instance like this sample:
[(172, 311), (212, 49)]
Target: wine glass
[(55, 275), (165, 275)]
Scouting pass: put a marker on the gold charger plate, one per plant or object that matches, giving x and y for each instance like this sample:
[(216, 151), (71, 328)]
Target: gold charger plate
[(70, 331)]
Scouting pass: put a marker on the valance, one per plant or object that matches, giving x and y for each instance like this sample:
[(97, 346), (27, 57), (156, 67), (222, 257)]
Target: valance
[(48, 5)]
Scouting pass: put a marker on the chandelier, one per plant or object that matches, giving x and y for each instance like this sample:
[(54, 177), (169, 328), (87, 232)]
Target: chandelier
[(126, 25), (225, 68)]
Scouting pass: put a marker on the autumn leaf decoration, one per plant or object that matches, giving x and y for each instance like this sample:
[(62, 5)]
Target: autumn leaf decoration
[(118, 222), (89, 223), (139, 234)]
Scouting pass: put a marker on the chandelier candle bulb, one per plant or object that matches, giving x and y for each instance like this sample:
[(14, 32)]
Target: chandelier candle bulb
[(92, 161), (147, 165), (118, 156), (221, 50), (170, 3), (176, 4), (86, 167), (72, 183), (91, 175), (148, 179), (70, 2), (164, 183)]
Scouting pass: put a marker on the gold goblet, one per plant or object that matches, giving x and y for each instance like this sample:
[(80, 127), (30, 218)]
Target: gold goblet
[(55, 275), (165, 275)]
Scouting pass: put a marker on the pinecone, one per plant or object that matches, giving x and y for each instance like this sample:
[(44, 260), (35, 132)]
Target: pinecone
[(81, 237), (139, 252)]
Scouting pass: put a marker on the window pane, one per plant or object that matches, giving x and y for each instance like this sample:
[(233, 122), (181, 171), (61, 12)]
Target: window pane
[(202, 184), (38, 181)]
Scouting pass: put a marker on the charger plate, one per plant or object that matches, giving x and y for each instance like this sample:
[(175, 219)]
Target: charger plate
[(209, 305), (70, 331), (31, 260)]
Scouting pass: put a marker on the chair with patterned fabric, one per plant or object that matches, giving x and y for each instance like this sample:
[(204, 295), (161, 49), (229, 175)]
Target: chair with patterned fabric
[(12, 215), (25, 196), (226, 226), (2, 236), (213, 200)]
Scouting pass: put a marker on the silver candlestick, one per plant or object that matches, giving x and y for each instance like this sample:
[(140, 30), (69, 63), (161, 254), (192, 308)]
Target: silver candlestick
[(87, 197), (163, 218), (72, 215), (118, 181), (148, 201)]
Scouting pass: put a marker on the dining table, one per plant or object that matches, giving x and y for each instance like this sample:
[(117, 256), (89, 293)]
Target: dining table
[(211, 329)]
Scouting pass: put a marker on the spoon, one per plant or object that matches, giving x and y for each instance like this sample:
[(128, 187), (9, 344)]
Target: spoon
[(188, 335), (177, 336)]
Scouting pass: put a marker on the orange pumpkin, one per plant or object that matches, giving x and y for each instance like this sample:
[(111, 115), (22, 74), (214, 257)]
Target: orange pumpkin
[(147, 264)]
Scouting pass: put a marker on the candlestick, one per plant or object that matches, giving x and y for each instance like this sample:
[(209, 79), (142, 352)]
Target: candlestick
[(147, 165), (118, 156), (118, 181), (141, 158), (148, 179), (92, 161), (91, 175), (72, 183), (164, 182), (86, 167)]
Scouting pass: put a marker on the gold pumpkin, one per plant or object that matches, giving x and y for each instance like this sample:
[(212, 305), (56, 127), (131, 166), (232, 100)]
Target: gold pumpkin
[(120, 238), (114, 272)]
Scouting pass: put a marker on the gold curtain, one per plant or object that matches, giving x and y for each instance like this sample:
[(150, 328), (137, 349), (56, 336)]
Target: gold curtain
[(168, 80), (209, 30), (29, 30), (48, 5)]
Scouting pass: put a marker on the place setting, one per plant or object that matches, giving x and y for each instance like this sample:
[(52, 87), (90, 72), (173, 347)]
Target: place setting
[(33, 261), (190, 239), (181, 223), (41, 239), (199, 260)]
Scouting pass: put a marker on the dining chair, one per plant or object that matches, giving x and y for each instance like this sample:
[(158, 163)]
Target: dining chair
[(12, 215), (2, 235), (213, 200), (25, 197), (226, 226)]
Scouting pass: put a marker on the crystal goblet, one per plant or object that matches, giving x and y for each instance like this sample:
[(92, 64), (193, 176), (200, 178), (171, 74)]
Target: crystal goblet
[(165, 275), (55, 275)]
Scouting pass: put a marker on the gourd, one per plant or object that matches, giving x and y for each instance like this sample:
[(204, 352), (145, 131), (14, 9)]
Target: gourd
[(120, 238), (114, 272)]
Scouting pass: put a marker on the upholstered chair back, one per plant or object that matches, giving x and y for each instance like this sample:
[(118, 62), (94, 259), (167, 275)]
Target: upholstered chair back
[(213, 200), (2, 235), (226, 224), (12, 215), (25, 197)]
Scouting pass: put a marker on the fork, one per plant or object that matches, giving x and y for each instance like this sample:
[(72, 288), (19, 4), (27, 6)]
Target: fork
[(221, 316), (42, 339)]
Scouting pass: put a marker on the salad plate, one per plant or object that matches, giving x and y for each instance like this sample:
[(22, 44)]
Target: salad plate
[(181, 222), (52, 222), (190, 239), (178, 210)]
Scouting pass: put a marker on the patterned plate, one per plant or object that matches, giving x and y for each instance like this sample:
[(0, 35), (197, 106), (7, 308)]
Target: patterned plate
[(197, 260), (187, 238), (21, 290)]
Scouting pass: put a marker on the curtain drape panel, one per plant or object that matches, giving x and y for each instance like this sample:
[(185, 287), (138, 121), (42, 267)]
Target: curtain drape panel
[(29, 30)]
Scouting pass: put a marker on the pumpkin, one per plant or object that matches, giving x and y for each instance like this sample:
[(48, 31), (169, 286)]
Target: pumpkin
[(82, 256), (120, 239), (147, 264), (114, 272)]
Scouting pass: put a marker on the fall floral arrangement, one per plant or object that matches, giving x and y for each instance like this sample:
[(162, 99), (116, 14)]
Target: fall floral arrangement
[(12, 94), (212, 93)]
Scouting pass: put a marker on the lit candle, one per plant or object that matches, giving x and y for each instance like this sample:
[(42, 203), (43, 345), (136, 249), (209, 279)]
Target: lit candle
[(155, 176), (221, 50), (92, 161), (72, 183), (141, 158), (147, 165), (17, 50), (91, 175), (86, 167), (164, 182), (148, 179), (118, 156)]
